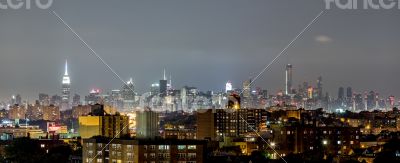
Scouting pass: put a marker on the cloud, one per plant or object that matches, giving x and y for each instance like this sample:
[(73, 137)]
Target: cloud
[(323, 39)]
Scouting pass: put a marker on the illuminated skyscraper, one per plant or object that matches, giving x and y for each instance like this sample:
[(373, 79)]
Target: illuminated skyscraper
[(155, 89), (358, 101), (55, 100), (147, 124), (305, 89), (116, 99), (163, 86), (310, 92), (391, 100), (66, 86), (371, 98), (93, 97), (76, 100), (341, 94), (349, 93), (169, 85), (288, 81), (247, 96), (319, 87), (13, 102), (128, 95), (228, 87), (184, 97), (18, 99), (44, 99)]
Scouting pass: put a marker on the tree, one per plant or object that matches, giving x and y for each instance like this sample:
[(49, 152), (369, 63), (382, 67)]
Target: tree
[(24, 150), (390, 152), (258, 156), (59, 153)]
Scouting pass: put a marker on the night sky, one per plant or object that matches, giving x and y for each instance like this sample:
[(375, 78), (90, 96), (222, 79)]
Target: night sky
[(202, 43)]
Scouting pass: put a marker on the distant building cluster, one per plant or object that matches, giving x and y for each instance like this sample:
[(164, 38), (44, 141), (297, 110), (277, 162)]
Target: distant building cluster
[(190, 126)]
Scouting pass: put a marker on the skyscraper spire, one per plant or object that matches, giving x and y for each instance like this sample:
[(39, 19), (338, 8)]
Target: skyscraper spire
[(66, 79), (165, 78), (66, 68), (130, 81), (170, 80), (66, 87)]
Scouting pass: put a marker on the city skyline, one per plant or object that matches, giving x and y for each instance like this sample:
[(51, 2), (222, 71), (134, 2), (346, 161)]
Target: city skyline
[(193, 81), (66, 82), (201, 55)]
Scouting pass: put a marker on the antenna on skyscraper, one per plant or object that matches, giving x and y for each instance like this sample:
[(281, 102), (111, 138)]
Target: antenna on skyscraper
[(130, 81), (170, 80), (66, 68), (165, 78)]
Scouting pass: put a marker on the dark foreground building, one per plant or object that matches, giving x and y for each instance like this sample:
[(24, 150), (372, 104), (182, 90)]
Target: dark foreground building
[(143, 151)]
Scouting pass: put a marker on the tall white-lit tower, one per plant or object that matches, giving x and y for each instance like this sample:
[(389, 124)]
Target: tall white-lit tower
[(66, 86), (228, 87), (288, 81), (246, 96)]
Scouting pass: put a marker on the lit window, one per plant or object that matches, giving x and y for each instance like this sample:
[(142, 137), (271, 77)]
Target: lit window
[(191, 147), (181, 147), (181, 155), (163, 147), (191, 155)]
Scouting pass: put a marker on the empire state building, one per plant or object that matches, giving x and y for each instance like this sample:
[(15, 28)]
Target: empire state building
[(66, 86)]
